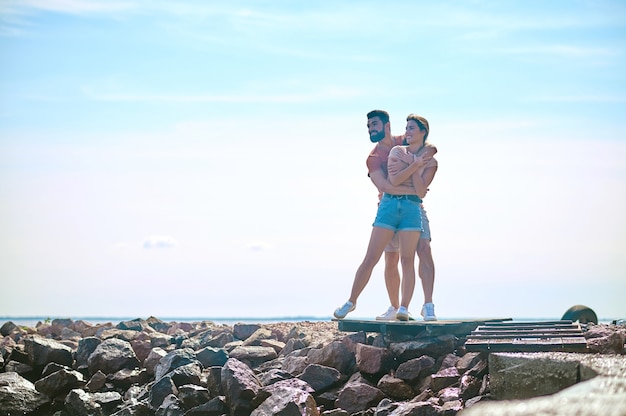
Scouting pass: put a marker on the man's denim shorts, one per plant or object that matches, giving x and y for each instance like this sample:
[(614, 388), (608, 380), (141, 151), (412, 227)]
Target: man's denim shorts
[(399, 214)]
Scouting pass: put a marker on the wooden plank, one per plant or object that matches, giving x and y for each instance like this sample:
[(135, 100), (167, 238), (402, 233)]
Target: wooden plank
[(527, 336), (417, 328), (508, 345)]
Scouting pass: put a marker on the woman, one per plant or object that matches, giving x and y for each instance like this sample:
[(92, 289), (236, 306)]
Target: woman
[(399, 213)]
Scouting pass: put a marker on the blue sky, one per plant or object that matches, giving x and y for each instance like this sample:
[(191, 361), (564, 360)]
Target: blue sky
[(207, 159)]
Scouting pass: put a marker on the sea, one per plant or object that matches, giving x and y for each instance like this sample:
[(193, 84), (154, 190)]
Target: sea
[(32, 321)]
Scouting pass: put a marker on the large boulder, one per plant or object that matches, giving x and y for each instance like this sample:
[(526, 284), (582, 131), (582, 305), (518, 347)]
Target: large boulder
[(112, 355), (42, 351), (240, 385), (18, 396)]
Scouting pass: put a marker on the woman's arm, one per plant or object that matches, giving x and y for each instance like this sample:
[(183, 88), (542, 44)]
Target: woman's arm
[(423, 178), (400, 171)]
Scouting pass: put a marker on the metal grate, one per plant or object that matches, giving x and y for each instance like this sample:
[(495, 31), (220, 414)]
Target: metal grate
[(564, 336)]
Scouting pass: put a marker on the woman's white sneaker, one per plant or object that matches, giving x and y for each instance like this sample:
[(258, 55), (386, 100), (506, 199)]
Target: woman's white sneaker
[(428, 312), (402, 314)]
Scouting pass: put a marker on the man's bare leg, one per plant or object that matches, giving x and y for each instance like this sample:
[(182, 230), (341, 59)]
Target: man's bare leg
[(426, 269), (392, 277), (378, 240)]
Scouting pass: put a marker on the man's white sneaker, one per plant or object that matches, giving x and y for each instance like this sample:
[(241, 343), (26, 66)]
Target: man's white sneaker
[(402, 314), (428, 312), (388, 315), (345, 309)]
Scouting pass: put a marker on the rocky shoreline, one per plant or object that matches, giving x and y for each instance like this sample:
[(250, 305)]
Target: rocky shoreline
[(147, 367)]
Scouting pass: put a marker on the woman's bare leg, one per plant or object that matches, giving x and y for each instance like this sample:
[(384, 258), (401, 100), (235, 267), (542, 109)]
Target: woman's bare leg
[(408, 246)]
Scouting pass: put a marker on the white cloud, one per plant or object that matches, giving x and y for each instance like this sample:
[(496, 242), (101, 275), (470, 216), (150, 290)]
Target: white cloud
[(321, 95), (159, 241), (259, 246), (73, 6)]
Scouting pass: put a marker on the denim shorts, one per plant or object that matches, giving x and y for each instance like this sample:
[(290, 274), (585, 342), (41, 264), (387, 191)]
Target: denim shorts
[(394, 245), (398, 214)]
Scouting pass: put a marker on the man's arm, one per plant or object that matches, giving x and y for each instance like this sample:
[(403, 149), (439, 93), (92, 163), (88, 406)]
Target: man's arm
[(382, 183)]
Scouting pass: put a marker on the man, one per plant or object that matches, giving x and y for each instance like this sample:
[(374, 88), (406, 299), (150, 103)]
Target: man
[(379, 129)]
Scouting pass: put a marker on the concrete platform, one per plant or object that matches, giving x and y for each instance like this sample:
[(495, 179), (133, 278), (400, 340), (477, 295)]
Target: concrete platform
[(568, 384), (416, 328)]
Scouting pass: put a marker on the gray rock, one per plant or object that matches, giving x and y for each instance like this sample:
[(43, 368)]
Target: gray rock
[(287, 401), (173, 360), (257, 336), (7, 328), (244, 331), (219, 340), (160, 390), (126, 377), (444, 378), (292, 345), (320, 377), (135, 409), (213, 379), (153, 359), (417, 409), (240, 385), (133, 325), (469, 360), (186, 374), (253, 355), (470, 386), (59, 383), (22, 369), (171, 406), (18, 396), (80, 403), (112, 355), (42, 351), (86, 347), (449, 394), (356, 396), (415, 368), (434, 346), (273, 376), (373, 360), (96, 382), (273, 343), (192, 395), (294, 365), (214, 407), (336, 355), (210, 356), (395, 388)]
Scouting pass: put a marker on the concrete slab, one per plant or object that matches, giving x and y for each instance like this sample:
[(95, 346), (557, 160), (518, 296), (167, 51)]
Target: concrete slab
[(600, 390)]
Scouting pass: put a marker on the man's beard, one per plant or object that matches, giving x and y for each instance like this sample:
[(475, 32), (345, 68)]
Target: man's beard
[(376, 137)]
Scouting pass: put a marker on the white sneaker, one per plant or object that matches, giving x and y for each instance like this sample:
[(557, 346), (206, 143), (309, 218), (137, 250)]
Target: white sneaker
[(345, 309), (428, 312), (388, 315), (402, 314)]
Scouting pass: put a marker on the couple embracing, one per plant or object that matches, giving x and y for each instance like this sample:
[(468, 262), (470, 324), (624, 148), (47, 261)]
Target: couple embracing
[(402, 168)]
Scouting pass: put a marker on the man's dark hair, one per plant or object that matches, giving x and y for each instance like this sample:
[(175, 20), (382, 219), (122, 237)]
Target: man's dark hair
[(383, 115)]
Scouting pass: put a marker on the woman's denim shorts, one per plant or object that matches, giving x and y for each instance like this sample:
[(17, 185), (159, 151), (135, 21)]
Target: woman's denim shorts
[(398, 213)]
